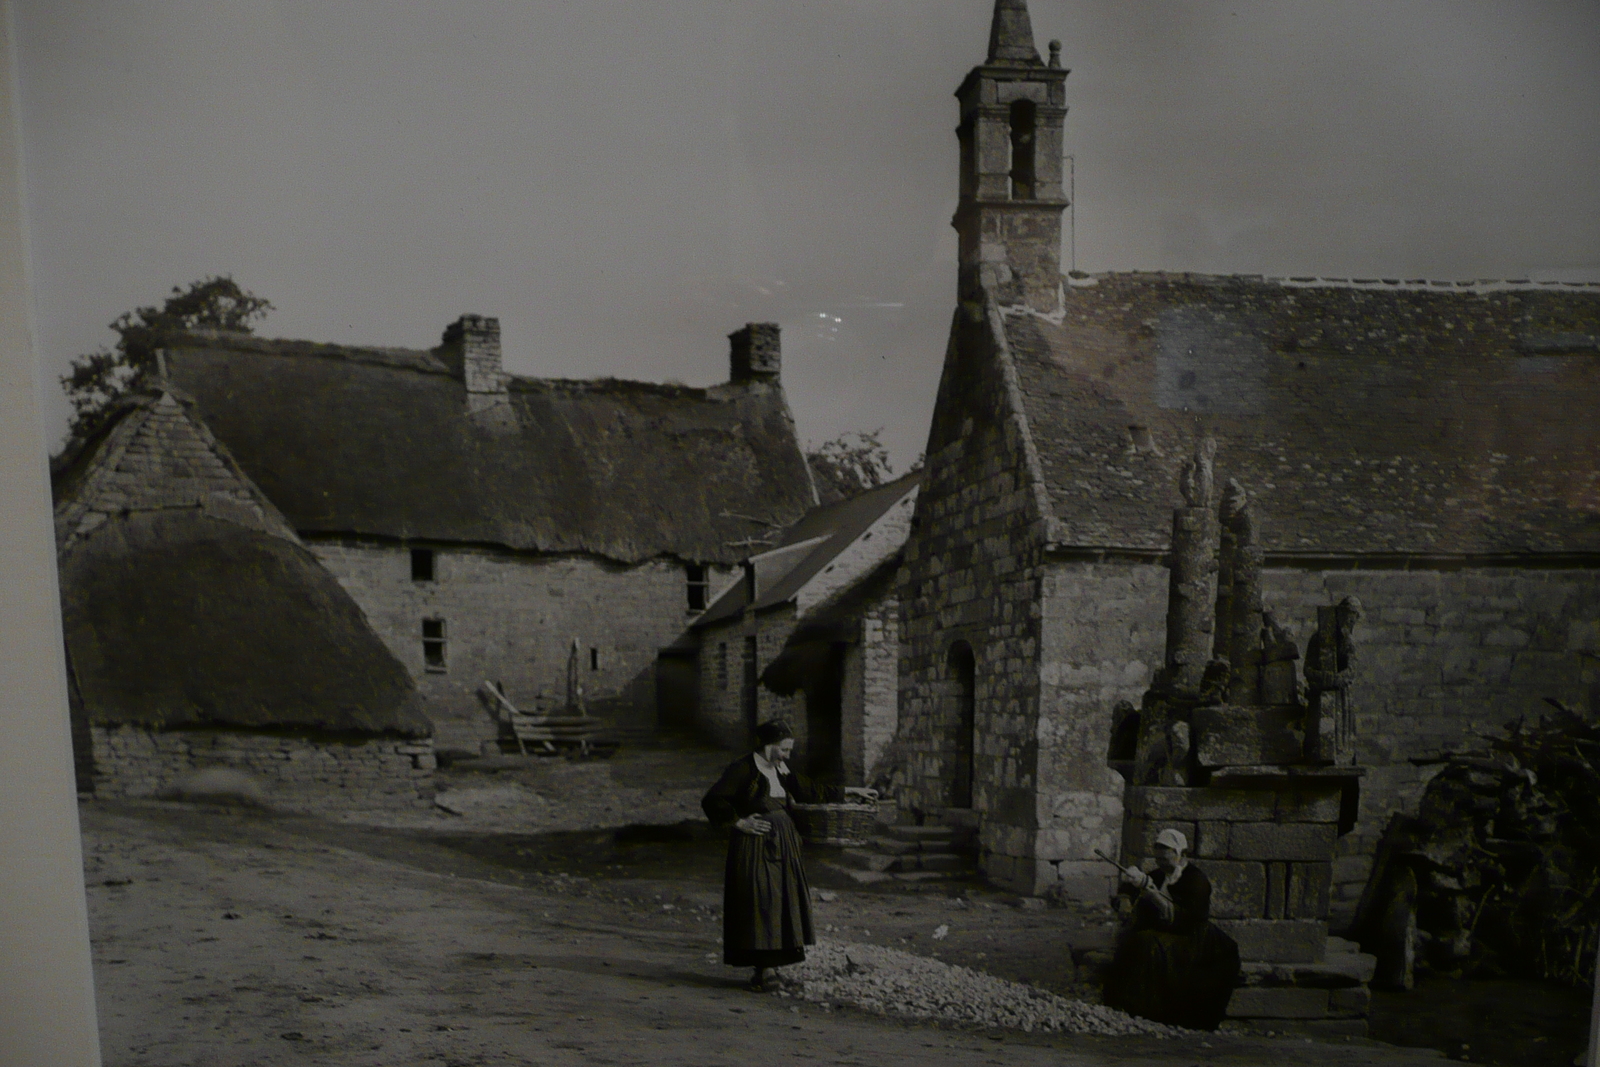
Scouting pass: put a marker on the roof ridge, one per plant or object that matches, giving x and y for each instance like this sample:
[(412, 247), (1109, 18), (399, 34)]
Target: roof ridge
[(423, 360), (1080, 280)]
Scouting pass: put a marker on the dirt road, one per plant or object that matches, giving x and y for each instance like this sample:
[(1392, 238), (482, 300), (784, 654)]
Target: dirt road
[(228, 939)]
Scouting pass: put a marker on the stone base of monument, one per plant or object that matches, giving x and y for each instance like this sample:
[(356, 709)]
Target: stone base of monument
[(1265, 836), (1327, 997)]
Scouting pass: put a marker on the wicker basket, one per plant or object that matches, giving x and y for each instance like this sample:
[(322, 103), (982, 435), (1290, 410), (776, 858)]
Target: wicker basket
[(835, 824)]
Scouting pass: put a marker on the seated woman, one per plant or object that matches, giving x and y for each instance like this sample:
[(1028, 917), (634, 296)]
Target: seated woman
[(766, 901), (1172, 964)]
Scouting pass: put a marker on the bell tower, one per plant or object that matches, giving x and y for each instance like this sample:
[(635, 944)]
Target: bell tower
[(1009, 218)]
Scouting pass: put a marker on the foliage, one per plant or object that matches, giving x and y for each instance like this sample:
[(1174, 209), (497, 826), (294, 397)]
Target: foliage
[(99, 378), (1505, 853), (850, 463)]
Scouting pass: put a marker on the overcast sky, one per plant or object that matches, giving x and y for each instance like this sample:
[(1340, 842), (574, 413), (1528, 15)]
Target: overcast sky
[(623, 182)]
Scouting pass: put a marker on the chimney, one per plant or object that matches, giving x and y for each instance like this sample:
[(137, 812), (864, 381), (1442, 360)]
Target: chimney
[(471, 349), (754, 355)]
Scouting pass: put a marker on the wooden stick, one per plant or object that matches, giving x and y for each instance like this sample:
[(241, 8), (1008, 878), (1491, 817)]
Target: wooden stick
[(1155, 891)]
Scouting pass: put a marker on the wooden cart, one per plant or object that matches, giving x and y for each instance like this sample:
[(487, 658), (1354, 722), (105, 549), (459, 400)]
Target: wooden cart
[(551, 735)]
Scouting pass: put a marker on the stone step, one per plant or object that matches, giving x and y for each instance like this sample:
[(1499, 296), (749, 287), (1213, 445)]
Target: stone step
[(932, 861), (864, 860), (892, 846), (918, 834), (859, 876), (924, 876), (1336, 969)]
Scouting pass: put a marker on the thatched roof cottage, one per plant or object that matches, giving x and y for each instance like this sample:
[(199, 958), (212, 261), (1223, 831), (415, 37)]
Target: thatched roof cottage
[(201, 631), (498, 527)]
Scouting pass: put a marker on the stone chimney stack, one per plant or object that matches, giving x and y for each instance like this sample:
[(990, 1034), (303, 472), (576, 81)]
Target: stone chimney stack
[(754, 354), (471, 349)]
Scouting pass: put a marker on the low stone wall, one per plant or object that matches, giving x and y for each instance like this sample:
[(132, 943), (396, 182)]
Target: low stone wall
[(296, 772)]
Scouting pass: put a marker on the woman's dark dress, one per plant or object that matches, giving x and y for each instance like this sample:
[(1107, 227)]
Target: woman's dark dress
[(766, 902), (1179, 972)]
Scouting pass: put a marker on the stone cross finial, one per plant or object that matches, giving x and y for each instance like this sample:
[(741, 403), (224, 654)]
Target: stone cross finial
[(1011, 34)]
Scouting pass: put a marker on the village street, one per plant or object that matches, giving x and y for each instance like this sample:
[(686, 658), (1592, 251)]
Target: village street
[(226, 938)]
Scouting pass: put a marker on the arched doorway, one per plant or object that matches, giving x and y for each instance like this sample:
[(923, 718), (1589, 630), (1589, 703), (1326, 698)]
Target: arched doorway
[(961, 672)]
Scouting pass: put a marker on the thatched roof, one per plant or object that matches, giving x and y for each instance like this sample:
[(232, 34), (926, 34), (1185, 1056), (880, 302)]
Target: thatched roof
[(1366, 418), (188, 601), (385, 443)]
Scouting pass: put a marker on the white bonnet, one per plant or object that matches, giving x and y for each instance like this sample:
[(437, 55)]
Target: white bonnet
[(1173, 839)]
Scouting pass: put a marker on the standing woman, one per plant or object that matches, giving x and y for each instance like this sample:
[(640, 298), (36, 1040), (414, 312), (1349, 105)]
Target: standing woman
[(766, 902)]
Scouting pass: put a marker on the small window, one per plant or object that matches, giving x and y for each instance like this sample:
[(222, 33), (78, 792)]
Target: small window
[(722, 665), (422, 564), (594, 659), (697, 586), (433, 645)]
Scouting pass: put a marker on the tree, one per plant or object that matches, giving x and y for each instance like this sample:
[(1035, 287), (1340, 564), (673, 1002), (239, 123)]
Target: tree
[(99, 378), (850, 463)]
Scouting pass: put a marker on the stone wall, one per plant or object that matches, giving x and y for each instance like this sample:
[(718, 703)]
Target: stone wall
[(721, 716), (1103, 635), (297, 772), (1443, 657), (512, 617), (972, 574), (871, 699)]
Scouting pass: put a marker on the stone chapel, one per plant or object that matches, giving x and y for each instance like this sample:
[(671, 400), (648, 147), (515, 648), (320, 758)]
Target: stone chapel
[(1425, 447)]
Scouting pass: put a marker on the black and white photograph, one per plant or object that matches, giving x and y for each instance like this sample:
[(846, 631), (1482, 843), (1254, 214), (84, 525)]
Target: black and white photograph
[(882, 532)]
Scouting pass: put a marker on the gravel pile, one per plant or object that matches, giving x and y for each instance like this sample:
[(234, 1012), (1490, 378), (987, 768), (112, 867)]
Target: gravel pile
[(891, 982)]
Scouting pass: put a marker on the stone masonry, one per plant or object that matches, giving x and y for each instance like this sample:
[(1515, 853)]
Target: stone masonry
[(299, 772), (972, 574), (722, 714), (871, 693), (1224, 748), (512, 618), (1446, 655)]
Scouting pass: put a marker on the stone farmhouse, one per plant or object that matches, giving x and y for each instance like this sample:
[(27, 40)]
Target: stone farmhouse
[(184, 595), (811, 634), (548, 535), (1426, 447)]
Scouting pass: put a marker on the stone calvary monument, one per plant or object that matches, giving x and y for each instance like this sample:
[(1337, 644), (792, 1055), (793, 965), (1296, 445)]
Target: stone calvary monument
[(1252, 762)]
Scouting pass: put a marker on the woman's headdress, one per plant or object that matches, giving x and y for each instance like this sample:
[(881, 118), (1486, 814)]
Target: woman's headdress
[(772, 731), (1173, 839)]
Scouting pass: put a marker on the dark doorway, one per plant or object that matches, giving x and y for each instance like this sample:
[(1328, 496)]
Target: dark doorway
[(677, 691), (747, 693), (961, 670), (824, 689)]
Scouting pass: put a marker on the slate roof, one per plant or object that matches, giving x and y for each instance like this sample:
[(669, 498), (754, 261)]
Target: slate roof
[(1363, 418), (378, 442), (187, 600), (808, 547)]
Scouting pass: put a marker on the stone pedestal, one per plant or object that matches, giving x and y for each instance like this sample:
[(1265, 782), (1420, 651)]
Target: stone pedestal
[(1265, 835), (1257, 781)]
